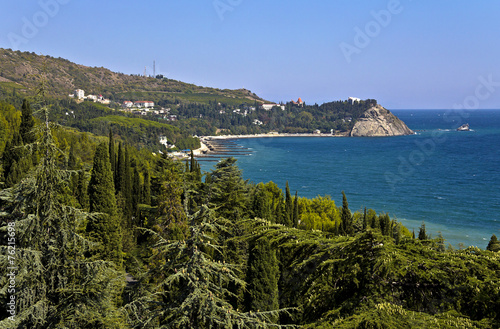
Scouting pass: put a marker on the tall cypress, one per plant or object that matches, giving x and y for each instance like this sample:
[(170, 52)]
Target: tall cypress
[(120, 169), (288, 206), (296, 210), (146, 194), (262, 277), (105, 227), (346, 217), (27, 123), (112, 156)]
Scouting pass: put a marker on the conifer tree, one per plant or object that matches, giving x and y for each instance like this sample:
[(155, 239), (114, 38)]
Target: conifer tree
[(228, 189), (136, 192), (346, 217), (56, 287), (27, 123), (146, 188), (422, 235), (193, 289), (261, 206), (288, 206), (296, 210), (106, 228), (262, 277), (494, 244), (112, 156), (120, 170), (127, 184)]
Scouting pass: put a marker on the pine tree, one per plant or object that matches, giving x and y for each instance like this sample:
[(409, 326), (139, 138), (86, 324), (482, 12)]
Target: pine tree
[(193, 290), (228, 190), (56, 286), (106, 227), (494, 244)]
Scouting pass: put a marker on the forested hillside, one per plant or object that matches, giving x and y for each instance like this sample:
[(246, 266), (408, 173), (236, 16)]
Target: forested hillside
[(99, 233), (200, 111)]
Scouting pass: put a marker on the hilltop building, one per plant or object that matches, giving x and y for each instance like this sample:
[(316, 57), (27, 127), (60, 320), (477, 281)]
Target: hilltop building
[(299, 102), (352, 100)]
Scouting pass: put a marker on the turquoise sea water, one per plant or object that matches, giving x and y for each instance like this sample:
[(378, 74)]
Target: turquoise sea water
[(449, 179)]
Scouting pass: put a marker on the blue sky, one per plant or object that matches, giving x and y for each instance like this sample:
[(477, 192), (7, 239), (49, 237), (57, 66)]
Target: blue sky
[(404, 53)]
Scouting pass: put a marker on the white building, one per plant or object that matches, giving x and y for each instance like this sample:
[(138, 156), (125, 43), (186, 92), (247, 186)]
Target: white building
[(268, 107), (146, 104), (353, 99), (79, 94)]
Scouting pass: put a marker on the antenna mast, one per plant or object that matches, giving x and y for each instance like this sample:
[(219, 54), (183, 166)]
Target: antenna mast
[(154, 69)]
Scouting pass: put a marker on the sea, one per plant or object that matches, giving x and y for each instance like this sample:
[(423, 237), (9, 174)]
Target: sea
[(448, 180)]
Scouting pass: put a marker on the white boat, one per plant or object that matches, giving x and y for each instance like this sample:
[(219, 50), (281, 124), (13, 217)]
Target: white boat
[(464, 127)]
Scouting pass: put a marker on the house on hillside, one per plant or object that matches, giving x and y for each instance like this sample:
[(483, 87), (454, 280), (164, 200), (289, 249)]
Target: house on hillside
[(145, 104)]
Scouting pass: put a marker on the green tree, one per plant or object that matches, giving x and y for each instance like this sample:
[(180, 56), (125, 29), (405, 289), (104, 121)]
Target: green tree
[(105, 228), (193, 290), (228, 190), (288, 206), (112, 156), (262, 277), (494, 244), (56, 286), (422, 235), (296, 210), (346, 217), (27, 123)]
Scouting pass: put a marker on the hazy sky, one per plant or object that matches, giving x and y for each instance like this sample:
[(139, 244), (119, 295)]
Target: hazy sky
[(406, 54)]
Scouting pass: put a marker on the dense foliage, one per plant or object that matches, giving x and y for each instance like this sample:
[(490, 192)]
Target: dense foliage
[(103, 234)]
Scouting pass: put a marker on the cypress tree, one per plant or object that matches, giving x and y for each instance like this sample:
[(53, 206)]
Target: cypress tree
[(346, 217), (494, 244), (136, 192), (112, 156), (296, 210), (262, 277), (365, 221), (147, 188), (421, 233), (120, 170), (106, 227), (261, 205), (288, 206), (127, 183), (72, 162), (27, 123)]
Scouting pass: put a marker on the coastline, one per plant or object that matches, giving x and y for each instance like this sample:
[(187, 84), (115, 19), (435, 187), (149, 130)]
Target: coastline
[(206, 147)]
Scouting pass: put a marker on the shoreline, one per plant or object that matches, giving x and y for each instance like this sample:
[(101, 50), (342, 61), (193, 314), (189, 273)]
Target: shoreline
[(207, 148)]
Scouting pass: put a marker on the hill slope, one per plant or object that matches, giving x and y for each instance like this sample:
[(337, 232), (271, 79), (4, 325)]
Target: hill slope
[(64, 77)]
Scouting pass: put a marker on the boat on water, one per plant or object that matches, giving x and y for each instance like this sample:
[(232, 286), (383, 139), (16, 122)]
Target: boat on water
[(464, 127)]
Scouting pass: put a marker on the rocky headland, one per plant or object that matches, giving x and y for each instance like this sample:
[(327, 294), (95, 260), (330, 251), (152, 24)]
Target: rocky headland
[(379, 122)]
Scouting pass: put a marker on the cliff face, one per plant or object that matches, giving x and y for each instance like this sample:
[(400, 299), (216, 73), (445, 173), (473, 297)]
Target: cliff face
[(377, 122)]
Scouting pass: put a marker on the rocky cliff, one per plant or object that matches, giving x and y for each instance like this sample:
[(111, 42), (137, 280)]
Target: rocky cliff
[(378, 121)]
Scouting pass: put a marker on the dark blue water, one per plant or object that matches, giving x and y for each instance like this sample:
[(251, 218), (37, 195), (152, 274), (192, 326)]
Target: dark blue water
[(449, 179)]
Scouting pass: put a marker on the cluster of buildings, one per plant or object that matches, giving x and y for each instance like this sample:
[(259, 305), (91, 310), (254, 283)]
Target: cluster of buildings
[(138, 104), (79, 94)]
